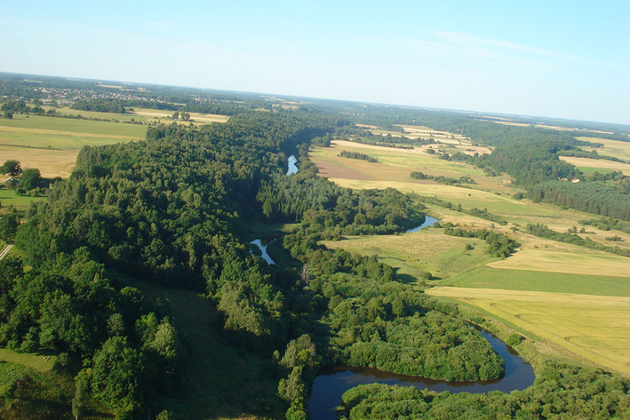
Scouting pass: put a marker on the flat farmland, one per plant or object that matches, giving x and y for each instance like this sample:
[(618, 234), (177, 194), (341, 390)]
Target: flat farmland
[(593, 327)]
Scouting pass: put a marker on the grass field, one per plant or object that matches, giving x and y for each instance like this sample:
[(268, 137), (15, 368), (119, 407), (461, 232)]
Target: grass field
[(576, 298), (614, 148), (493, 193), (594, 264), (593, 327), (541, 281), (38, 362), (428, 250), (10, 198), (600, 165), (213, 384), (52, 144), (396, 165)]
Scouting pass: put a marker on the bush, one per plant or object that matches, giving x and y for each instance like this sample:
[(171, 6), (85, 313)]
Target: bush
[(514, 340)]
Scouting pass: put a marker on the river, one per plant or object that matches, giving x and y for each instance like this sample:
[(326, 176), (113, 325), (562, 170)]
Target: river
[(428, 221), (331, 383), (293, 169), (263, 249)]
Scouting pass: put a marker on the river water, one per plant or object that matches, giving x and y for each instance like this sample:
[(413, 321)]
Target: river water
[(428, 221), (331, 383), (263, 249), (293, 169)]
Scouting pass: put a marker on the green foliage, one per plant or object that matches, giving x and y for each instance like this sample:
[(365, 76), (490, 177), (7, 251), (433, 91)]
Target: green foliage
[(591, 197), (499, 245), (100, 105), (117, 376), (559, 391), (8, 226), (543, 231), (357, 155), (443, 179), (11, 167), (30, 178)]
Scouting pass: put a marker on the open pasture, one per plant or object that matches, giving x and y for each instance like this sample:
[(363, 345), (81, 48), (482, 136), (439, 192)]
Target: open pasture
[(597, 164), (593, 327)]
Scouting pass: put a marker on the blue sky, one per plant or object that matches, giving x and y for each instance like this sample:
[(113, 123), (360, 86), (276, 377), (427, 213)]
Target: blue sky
[(566, 59)]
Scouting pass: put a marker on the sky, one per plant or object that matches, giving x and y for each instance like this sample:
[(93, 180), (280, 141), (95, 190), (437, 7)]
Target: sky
[(564, 59)]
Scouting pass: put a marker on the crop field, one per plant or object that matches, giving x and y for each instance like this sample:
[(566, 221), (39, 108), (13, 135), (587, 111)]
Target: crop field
[(593, 327), (493, 193), (395, 165), (600, 165)]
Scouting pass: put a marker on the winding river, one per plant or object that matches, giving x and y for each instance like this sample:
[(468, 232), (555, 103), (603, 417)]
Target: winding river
[(331, 383)]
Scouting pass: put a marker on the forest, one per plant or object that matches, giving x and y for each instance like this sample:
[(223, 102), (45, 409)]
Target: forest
[(175, 213)]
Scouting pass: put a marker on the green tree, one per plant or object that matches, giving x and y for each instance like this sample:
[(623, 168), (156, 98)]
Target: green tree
[(11, 167), (8, 226), (117, 375), (30, 178)]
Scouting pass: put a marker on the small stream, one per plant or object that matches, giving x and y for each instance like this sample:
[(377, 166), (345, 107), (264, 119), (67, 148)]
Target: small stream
[(331, 383)]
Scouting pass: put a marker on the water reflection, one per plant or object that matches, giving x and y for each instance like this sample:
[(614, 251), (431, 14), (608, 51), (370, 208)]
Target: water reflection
[(331, 383), (293, 169), (263, 249), (428, 221)]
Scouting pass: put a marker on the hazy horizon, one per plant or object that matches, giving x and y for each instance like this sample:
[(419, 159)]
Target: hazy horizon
[(566, 60)]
